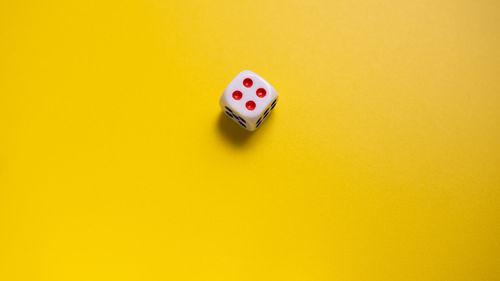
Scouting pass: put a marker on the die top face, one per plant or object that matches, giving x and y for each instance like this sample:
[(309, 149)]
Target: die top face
[(249, 94)]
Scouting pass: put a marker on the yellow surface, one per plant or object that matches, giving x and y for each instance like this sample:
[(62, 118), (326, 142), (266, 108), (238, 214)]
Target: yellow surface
[(380, 162)]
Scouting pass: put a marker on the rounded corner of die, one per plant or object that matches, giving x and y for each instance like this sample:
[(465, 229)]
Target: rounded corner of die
[(223, 100), (247, 72)]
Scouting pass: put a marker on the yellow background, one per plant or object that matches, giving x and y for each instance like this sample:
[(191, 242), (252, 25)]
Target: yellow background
[(380, 162)]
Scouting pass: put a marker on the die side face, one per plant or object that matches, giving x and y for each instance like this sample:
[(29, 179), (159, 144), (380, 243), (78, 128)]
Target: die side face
[(236, 117), (248, 100), (266, 113)]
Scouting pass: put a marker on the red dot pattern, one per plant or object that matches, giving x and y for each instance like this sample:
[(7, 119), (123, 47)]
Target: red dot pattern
[(250, 105), (247, 82), (261, 92), (237, 95)]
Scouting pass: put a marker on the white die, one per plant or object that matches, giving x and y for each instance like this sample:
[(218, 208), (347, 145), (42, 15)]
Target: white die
[(248, 100)]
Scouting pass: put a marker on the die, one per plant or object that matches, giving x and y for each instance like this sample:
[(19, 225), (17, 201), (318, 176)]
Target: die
[(248, 100)]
